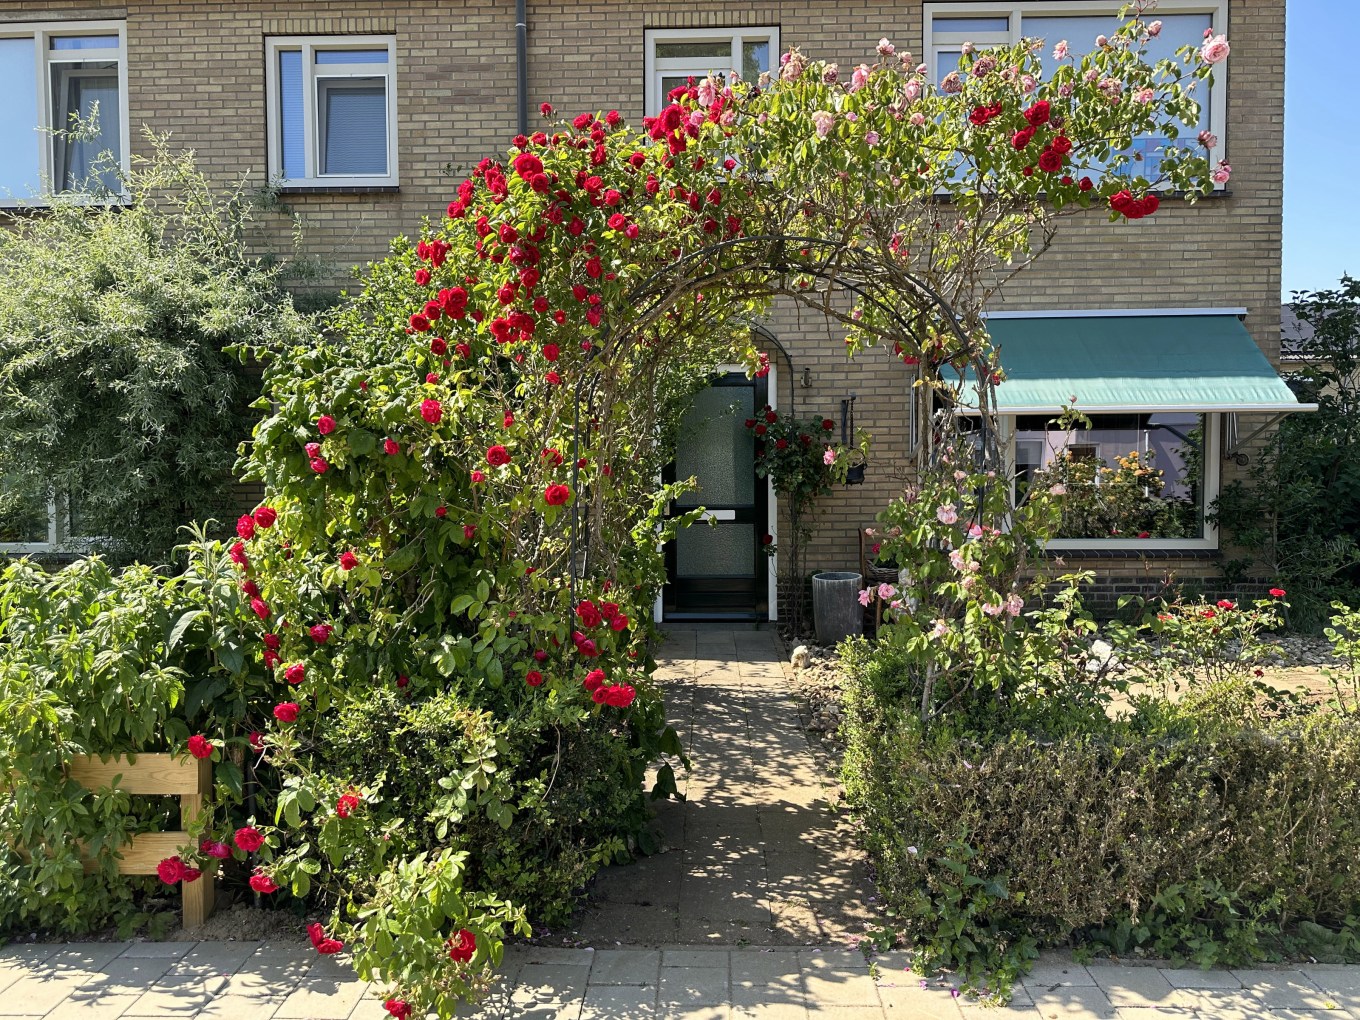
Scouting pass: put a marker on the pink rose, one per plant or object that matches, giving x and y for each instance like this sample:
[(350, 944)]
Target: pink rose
[(947, 514), (1215, 49)]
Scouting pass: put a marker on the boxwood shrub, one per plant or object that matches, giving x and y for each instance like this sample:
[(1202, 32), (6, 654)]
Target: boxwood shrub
[(1173, 832)]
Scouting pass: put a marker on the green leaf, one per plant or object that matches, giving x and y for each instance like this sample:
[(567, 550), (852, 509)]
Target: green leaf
[(181, 628), (228, 773)]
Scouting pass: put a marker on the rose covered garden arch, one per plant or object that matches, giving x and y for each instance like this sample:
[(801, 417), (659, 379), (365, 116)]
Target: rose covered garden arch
[(460, 474)]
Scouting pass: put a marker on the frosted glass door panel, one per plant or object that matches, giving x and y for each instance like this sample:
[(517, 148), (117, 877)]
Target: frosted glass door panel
[(727, 549), (715, 446)]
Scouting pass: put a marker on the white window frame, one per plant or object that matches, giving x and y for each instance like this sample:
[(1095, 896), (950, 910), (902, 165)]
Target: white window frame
[(656, 68), (1213, 429), (935, 42), (42, 33), (307, 45)]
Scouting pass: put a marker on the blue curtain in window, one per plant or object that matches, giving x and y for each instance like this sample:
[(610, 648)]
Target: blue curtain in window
[(355, 128), (291, 135)]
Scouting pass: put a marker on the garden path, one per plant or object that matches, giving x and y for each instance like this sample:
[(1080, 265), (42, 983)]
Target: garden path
[(745, 917)]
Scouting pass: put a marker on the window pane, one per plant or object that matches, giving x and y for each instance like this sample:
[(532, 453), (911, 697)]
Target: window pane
[(84, 42), (19, 138), (351, 56), (669, 83), (946, 61), (755, 58), (23, 506), (353, 126), (1130, 476), (291, 136), (696, 49), (976, 25), (87, 148)]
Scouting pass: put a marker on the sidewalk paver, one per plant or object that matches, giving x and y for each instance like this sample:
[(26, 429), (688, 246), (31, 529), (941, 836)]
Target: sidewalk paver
[(746, 917)]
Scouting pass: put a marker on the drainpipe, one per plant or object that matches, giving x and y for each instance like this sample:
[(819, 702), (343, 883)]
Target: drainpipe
[(522, 63)]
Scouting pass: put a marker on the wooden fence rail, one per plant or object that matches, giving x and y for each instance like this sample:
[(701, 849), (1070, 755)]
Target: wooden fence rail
[(156, 775)]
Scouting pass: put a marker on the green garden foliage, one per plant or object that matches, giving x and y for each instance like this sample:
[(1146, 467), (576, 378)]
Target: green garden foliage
[(118, 400), (1298, 515), (1220, 828)]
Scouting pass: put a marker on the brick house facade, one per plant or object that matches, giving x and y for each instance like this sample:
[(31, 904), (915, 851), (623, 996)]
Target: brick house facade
[(199, 70)]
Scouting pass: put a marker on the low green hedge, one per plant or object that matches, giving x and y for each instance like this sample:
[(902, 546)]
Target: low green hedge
[(1172, 834)]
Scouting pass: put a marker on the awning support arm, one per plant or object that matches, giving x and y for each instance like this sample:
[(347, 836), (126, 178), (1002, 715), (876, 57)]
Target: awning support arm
[(1234, 452)]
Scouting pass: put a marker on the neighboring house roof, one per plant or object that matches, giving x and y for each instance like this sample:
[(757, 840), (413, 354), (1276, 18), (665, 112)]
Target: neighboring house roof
[(1294, 332)]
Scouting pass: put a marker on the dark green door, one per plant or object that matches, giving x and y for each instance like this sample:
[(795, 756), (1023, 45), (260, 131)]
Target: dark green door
[(719, 570)]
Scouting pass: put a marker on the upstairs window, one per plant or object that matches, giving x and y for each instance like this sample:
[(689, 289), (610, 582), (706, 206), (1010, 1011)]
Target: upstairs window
[(676, 55), (63, 119), (332, 111), (949, 25)]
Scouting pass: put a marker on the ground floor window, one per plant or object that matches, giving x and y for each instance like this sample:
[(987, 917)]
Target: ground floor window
[(1129, 478)]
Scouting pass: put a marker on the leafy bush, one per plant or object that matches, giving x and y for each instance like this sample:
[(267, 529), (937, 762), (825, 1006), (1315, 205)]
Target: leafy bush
[(1298, 515), (1218, 827), (91, 662), (118, 399)]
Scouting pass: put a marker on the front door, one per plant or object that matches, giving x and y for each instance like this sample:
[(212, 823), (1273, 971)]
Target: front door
[(717, 569)]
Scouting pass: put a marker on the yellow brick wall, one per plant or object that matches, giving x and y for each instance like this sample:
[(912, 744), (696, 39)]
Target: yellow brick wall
[(197, 70)]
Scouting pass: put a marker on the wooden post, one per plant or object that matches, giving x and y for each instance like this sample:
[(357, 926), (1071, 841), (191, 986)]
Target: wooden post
[(157, 775)]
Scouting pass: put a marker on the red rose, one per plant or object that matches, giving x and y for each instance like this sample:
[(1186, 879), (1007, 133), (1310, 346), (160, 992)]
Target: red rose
[(767, 540), (419, 323), (248, 838), (1038, 114), (1226, 604), (319, 465), (295, 674), (323, 945), (1050, 162), (262, 883), (432, 411), (347, 804), (313, 449), (619, 622), (468, 531), (214, 849), (594, 679), (441, 512), (348, 561), (265, 516), (1085, 184), (1061, 144), (828, 424), (462, 946), (271, 641), (594, 267), (245, 527), (321, 632), (556, 495), (325, 424), (526, 164), (1277, 593), (620, 696), (271, 659), (200, 746), (533, 678), (497, 456), (545, 109), (761, 430), (439, 346), (599, 695), (980, 115), (551, 352), (781, 444), (463, 350), (391, 447), (1022, 138), (400, 1009), (171, 870), (286, 711)]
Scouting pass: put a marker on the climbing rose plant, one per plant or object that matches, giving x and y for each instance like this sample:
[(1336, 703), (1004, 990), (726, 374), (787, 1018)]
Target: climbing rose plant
[(460, 472)]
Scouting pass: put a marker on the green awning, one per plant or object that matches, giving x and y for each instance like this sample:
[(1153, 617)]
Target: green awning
[(1135, 362)]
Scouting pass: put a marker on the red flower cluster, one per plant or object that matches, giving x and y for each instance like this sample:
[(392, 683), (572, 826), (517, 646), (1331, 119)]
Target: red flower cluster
[(321, 632), (262, 883), (1277, 593), (173, 870), (982, 114), (321, 943), (497, 456), (533, 678), (287, 711), (347, 804), (1132, 208), (295, 674), (200, 746), (592, 615), (213, 848), (462, 946), (248, 838), (348, 561), (400, 1009), (556, 494)]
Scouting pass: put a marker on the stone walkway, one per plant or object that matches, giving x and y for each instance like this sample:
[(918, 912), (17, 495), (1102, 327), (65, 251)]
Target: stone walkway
[(747, 916)]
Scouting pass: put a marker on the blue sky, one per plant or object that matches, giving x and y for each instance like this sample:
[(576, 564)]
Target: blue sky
[(1322, 143)]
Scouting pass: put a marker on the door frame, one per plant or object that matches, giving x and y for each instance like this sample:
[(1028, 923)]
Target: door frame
[(771, 513)]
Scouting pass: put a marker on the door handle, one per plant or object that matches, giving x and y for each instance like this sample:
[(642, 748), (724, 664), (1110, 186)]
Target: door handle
[(719, 515)]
